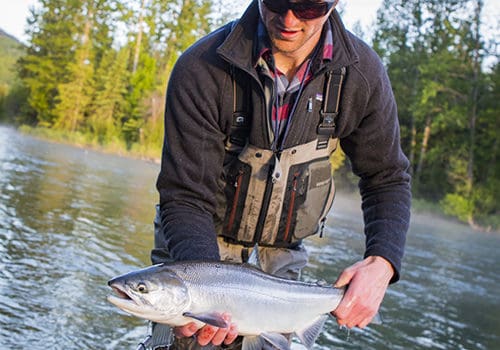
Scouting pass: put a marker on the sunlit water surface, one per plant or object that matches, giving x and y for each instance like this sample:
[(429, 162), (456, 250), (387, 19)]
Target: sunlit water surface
[(70, 219)]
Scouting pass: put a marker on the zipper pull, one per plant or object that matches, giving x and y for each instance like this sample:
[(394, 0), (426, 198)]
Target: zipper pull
[(277, 172), (310, 104), (238, 178)]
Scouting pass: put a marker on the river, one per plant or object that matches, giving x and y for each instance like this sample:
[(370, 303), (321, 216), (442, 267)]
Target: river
[(71, 218)]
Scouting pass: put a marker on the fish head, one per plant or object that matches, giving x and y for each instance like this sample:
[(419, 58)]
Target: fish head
[(154, 293)]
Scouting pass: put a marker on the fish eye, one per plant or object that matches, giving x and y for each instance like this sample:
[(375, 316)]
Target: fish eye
[(141, 287)]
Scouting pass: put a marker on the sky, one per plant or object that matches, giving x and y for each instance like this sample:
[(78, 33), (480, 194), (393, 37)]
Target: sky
[(13, 13)]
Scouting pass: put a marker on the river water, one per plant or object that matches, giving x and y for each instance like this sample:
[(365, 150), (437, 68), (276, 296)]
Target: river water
[(70, 219)]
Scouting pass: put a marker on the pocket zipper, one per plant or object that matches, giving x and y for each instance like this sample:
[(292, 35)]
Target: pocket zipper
[(291, 207), (232, 215)]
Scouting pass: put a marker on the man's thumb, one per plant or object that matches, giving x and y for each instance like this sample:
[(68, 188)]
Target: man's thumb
[(344, 279)]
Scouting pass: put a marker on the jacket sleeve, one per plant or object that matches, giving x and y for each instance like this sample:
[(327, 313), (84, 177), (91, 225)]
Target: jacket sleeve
[(373, 147), (192, 159)]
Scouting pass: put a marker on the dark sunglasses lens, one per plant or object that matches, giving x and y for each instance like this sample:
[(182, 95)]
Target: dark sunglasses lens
[(302, 10), (307, 10), (277, 6)]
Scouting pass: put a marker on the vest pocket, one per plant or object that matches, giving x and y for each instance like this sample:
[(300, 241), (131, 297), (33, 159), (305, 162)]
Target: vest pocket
[(317, 201), (236, 192)]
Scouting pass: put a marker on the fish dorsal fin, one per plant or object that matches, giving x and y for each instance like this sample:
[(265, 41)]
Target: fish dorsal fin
[(254, 258), (211, 318), (308, 335)]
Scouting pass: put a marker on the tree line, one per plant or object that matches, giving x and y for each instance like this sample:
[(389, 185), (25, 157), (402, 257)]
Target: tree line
[(96, 70), (448, 101)]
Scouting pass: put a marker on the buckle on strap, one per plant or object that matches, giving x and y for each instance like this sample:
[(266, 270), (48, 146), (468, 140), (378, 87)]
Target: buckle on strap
[(327, 125)]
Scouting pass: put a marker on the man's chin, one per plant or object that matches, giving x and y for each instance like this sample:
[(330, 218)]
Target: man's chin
[(285, 46)]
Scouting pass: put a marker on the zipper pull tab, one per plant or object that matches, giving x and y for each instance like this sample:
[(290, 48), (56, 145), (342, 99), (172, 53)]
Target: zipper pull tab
[(276, 175), (310, 104)]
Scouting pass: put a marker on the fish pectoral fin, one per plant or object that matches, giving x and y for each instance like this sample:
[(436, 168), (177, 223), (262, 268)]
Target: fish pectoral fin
[(309, 334), (254, 258), (274, 340), (212, 318)]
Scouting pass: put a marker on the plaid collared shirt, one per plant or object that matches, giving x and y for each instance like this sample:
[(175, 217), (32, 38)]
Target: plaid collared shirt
[(272, 78)]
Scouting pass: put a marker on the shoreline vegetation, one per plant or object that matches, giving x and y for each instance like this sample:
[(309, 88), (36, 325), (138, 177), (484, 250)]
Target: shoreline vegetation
[(80, 140), (347, 183)]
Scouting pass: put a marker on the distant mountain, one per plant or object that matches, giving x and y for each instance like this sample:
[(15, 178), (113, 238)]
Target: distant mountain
[(4, 33), (10, 50)]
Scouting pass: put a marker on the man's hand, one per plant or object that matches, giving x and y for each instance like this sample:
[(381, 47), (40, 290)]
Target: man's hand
[(368, 280), (210, 334)]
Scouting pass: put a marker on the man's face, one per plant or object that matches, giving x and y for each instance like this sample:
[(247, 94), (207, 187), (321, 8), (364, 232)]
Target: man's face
[(288, 32)]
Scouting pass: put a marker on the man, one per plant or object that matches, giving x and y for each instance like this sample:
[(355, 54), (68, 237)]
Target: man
[(253, 112)]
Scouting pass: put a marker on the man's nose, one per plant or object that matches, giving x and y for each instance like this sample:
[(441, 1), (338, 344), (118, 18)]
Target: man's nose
[(289, 19)]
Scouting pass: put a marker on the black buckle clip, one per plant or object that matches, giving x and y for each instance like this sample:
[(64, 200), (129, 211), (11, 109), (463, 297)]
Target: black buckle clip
[(327, 125)]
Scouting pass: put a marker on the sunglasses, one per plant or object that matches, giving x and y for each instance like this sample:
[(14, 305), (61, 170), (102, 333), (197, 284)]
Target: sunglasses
[(302, 10)]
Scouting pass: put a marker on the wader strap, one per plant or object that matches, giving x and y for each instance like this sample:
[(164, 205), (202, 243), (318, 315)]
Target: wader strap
[(330, 108), (242, 112), (241, 120)]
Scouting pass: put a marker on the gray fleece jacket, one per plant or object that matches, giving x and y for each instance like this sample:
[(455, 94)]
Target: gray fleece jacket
[(198, 115)]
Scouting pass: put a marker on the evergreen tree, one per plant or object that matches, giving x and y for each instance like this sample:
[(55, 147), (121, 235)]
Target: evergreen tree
[(46, 65), (108, 104), (75, 94)]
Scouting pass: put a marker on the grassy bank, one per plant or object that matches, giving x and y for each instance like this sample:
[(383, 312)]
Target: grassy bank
[(421, 206), (78, 139)]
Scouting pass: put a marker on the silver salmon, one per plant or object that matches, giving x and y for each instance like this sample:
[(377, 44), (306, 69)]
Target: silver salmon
[(264, 307)]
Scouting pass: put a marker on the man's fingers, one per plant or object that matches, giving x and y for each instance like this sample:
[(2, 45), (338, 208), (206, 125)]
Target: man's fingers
[(347, 275), (368, 281), (343, 279), (186, 330), (232, 334), (216, 336), (220, 335), (206, 334), (365, 322)]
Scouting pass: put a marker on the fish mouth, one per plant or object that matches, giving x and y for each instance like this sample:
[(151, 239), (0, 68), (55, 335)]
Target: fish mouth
[(121, 298), (120, 293)]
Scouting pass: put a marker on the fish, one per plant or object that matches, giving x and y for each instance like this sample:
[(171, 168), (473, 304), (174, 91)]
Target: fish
[(264, 307)]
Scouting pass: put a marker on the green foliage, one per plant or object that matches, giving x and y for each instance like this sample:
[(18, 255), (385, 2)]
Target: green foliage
[(98, 68), (458, 206), (109, 101), (448, 109), (10, 51), (11, 95)]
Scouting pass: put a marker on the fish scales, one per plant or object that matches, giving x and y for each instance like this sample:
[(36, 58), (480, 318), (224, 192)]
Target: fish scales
[(257, 301)]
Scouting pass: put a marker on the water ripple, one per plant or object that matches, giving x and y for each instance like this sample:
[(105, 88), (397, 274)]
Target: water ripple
[(71, 219)]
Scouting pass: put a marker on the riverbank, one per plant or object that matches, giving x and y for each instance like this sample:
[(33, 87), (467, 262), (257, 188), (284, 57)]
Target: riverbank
[(77, 139)]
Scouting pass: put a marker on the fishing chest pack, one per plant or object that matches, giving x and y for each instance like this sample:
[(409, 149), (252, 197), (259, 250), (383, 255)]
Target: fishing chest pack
[(277, 198)]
